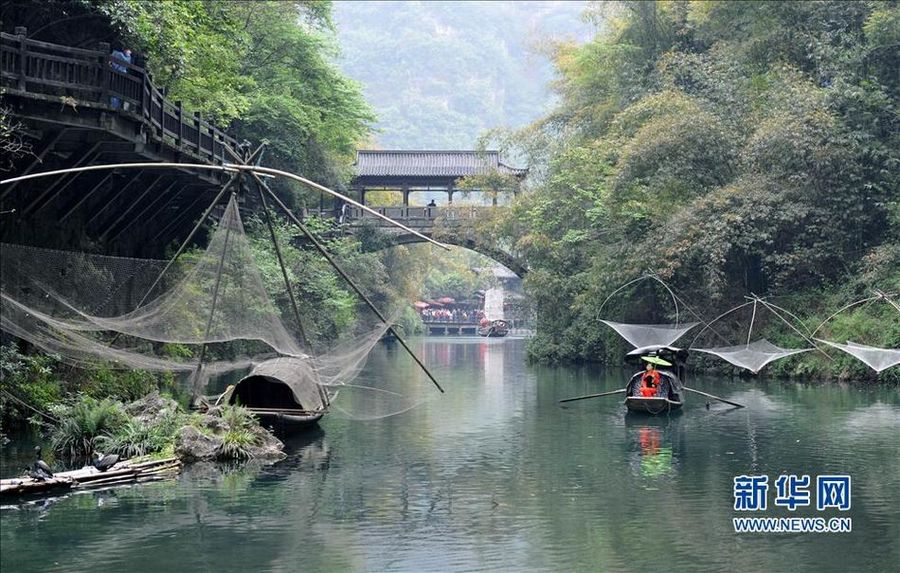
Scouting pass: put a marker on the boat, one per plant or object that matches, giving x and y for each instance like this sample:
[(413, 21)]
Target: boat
[(495, 328), (670, 396), (282, 393)]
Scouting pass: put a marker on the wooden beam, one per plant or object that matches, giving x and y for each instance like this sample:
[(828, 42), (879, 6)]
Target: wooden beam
[(85, 196), (140, 216), (177, 221), (81, 161), (118, 194), (131, 207)]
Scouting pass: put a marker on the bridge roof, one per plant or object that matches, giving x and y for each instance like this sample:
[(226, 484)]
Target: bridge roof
[(423, 163)]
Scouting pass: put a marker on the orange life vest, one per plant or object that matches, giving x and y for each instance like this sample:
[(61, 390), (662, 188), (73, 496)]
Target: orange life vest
[(650, 382)]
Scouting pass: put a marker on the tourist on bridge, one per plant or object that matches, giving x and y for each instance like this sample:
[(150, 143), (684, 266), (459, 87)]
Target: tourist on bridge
[(117, 62)]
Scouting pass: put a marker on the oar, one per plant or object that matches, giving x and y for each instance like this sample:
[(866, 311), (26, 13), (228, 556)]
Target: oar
[(735, 404), (592, 396)]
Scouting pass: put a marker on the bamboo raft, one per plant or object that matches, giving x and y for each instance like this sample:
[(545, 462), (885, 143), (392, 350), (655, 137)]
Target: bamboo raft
[(123, 472)]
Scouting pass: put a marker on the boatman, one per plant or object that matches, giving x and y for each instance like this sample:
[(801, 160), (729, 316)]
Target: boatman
[(650, 381)]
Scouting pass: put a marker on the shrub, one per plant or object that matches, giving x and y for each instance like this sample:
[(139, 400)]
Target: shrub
[(30, 378), (237, 418), (83, 422)]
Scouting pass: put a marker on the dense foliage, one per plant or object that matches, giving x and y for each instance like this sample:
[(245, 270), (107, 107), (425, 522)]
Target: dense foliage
[(731, 147), (262, 67)]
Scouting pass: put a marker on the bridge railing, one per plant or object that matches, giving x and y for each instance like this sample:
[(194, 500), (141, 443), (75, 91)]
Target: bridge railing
[(416, 217), (52, 71)]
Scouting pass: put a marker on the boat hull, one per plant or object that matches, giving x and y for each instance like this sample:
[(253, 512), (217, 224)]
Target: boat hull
[(651, 404), (495, 329), (491, 333), (287, 421)]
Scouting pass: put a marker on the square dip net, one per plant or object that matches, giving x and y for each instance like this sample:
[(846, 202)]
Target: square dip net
[(90, 310)]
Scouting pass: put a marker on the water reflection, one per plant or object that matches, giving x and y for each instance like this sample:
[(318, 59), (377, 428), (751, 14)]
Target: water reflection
[(495, 475), (653, 446)]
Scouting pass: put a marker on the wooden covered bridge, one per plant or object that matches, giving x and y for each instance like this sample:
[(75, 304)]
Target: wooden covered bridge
[(408, 173)]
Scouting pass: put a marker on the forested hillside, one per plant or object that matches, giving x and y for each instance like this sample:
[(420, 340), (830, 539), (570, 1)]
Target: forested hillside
[(440, 73), (730, 147)]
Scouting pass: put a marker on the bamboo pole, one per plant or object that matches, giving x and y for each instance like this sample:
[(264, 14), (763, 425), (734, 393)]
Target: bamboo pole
[(212, 312), (228, 168), (321, 248), (619, 391), (735, 404), (281, 265)]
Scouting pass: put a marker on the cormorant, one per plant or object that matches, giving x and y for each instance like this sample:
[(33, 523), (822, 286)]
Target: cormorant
[(40, 465), (102, 462), (36, 474)]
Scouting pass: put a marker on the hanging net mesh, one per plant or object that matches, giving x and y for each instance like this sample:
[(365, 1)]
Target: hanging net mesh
[(641, 335), (86, 309), (753, 356), (877, 359)]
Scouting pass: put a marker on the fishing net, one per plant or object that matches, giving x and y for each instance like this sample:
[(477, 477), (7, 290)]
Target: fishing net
[(642, 335), (877, 359), (753, 356), (94, 310)]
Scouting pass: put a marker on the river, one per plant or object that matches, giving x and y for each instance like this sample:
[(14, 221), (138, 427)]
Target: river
[(496, 475)]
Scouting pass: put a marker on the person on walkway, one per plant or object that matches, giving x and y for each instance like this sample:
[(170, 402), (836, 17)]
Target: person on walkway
[(116, 63), (428, 212)]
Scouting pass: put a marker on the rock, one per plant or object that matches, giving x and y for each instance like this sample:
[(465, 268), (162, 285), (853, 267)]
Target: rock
[(214, 423), (193, 445), (151, 408), (267, 446)]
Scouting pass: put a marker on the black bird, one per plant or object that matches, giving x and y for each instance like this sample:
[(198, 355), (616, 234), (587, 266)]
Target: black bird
[(40, 466), (102, 462), (34, 474)]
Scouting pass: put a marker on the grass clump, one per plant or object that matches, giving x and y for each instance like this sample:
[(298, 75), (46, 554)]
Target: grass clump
[(240, 435), (83, 423)]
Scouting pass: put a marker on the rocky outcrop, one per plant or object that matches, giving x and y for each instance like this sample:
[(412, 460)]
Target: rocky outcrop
[(210, 438), (192, 445), (152, 408)]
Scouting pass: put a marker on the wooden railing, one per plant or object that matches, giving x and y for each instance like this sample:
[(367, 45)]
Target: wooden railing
[(415, 217), (77, 76)]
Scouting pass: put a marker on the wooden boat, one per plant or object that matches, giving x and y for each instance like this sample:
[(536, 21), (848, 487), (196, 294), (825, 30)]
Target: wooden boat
[(496, 328), (282, 393), (670, 395)]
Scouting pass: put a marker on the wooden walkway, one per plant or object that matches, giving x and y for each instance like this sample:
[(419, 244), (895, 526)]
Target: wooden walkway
[(76, 78), (75, 109)]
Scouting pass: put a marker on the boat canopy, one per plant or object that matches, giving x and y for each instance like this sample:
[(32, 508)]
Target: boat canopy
[(288, 383)]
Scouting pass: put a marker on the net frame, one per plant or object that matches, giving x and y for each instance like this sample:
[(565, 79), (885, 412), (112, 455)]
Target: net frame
[(889, 358)]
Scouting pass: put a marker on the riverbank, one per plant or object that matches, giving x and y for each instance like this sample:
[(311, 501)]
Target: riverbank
[(152, 427)]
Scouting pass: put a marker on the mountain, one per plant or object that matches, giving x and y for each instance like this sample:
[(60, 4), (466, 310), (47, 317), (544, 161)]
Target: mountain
[(440, 73)]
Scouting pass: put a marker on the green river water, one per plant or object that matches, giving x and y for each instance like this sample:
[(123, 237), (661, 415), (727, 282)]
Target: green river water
[(495, 475)]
